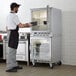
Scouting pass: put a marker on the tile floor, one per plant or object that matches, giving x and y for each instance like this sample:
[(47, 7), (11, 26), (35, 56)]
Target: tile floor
[(38, 70)]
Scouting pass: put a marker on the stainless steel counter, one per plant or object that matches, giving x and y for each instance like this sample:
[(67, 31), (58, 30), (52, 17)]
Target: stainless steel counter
[(22, 50)]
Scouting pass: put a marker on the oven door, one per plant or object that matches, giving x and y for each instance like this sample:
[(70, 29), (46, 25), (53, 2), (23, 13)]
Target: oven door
[(40, 48)]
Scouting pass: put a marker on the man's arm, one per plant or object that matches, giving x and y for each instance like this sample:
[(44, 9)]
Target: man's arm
[(24, 25)]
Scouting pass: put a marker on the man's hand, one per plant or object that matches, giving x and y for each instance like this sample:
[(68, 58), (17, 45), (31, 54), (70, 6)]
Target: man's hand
[(28, 25), (24, 25)]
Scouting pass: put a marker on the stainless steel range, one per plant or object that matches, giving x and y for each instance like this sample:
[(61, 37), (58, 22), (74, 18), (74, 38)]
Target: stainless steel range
[(45, 38)]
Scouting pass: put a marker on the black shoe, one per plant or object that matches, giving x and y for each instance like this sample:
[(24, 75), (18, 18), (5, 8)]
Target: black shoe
[(18, 67), (12, 70)]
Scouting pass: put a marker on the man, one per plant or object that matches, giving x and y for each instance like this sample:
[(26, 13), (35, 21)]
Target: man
[(13, 25)]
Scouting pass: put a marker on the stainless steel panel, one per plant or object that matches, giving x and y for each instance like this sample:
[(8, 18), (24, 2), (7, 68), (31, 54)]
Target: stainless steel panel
[(44, 52), (22, 51)]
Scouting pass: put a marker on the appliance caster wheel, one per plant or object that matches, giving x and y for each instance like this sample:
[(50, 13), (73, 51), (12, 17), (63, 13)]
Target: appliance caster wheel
[(59, 63), (51, 65), (33, 63)]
